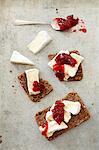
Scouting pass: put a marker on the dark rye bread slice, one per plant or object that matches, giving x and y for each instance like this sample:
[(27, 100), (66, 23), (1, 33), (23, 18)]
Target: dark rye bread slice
[(79, 74), (74, 121), (35, 98)]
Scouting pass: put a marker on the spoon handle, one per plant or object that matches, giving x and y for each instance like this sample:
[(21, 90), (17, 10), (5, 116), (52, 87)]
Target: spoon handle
[(26, 22)]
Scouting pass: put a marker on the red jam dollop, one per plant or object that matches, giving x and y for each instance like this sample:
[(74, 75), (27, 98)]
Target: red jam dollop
[(66, 24), (59, 71), (58, 67), (63, 58), (58, 112), (70, 22), (45, 125), (61, 22), (37, 86)]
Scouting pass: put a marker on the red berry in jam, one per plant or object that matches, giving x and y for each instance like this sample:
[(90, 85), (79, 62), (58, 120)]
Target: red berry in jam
[(38, 86), (36, 89), (58, 112), (35, 83), (57, 68)]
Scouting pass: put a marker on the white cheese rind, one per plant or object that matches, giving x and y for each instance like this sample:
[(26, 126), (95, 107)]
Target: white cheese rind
[(40, 41), (20, 59), (32, 75)]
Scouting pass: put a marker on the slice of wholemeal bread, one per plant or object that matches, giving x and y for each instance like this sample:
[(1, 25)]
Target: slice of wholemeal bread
[(74, 121), (79, 74), (35, 98)]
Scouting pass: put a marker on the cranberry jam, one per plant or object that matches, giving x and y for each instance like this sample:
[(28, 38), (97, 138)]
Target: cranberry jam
[(37, 86), (45, 125), (62, 23), (66, 24), (62, 59), (58, 112)]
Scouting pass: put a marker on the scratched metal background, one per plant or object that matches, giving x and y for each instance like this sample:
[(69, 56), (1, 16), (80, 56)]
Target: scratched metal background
[(17, 123)]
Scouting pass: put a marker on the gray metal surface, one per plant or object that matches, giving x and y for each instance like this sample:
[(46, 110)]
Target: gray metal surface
[(17, 123)]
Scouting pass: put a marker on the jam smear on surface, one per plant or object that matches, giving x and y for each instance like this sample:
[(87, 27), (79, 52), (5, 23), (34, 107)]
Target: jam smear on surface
[(83, 30), (80, 27), (37, 86), (45, 125), (58, 112), (74, 30)]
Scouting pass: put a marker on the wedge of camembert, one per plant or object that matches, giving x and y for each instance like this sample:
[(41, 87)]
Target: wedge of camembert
[(20, 59), (40, 41)]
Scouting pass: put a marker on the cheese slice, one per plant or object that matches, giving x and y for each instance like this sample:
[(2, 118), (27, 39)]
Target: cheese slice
[(49, 116), (40, 41), (20, 59), (72, 107), (67, 116), (54, 126), (71, 71), (32, 75)]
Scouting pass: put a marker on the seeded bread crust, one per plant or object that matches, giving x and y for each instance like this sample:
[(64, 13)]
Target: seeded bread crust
[(74, 121), (35, 98), (79, 74)]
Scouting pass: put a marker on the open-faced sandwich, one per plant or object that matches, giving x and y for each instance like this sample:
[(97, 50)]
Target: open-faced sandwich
[(35, 87), (67, 65), (64, 115)]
